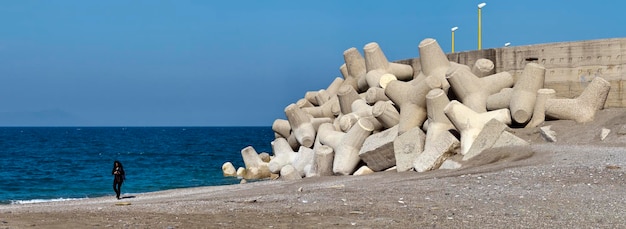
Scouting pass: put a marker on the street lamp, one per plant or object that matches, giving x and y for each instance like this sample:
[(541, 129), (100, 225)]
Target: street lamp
[(480, 30), (507, 44), (453, 29)]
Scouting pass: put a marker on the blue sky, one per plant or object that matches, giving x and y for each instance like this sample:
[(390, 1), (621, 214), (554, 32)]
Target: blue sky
[(235, 63)]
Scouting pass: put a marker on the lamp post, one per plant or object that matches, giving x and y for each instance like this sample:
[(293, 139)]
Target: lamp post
[(453, 29), (480, 30)]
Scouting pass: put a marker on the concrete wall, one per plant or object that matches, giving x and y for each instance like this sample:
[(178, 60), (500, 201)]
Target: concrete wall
[(570, 66)]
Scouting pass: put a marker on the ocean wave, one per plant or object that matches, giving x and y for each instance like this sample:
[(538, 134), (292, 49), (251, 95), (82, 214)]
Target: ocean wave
[(34, 201)]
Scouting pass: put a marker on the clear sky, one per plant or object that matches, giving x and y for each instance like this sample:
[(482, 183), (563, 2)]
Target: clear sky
[(236, 63)]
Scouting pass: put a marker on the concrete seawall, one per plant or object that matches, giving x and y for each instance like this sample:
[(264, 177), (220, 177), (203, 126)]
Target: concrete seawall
[(570, 66)]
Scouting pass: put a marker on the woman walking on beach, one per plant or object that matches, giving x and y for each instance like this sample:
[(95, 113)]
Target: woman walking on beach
[(118, 172)]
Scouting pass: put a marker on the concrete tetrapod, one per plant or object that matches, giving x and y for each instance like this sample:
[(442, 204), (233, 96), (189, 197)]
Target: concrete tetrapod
[(322, 97), (282, 128), (483, 67), (348, 146), (346, 96), (329, 135), (333, 87), (303, 160), (289, 173), (525, 92), (324, 156), (434, 61), (375, 94), (473, 91), (355, 67), (539, 112), (293, 142), (316, 122), (469, 123), (500, 100), (440, 144), (386, 114), (301, 125), (360, 110), (310, 96), (265, 157), (304, 103), (411, 100), (241, 171), (283, 155), (436, 101), (377, 65), (255, 167), (328, 109), (584, 107), (228, 170), (347, 78)]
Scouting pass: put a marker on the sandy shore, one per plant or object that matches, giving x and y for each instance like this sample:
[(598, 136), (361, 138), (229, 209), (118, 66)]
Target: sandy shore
[(578, 182)]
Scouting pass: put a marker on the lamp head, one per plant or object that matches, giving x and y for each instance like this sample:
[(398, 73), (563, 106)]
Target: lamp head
[(481, 5), (454, 28), (507, 44)]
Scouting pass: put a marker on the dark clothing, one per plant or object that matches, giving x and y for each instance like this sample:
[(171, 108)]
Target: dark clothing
[(117, 187), (120, 175)]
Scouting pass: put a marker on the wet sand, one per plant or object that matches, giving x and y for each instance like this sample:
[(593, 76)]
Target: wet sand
[(577, 182)]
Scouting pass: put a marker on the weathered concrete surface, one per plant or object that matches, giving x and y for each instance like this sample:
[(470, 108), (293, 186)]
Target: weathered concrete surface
[(583, 108), (486, 138), (289, 173), (229, 170), (548, 134), (407, 147), (570, 66), (386, 114), (539, 112), (525, 92), (439, 146), (470, 123), (378, 150), (283, 155), (412, 100), (493, 135), (483, 67), (303, 160), (508, 139), (348, 147), (323, 161)]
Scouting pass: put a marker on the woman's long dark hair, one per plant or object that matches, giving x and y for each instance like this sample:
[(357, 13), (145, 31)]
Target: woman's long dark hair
[(119, 163)]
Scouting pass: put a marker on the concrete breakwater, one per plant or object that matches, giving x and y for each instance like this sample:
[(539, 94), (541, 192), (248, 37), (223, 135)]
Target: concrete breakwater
[(435, 111), (570, 66)]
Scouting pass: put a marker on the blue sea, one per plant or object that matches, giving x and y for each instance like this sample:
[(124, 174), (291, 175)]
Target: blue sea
[(62, 163)]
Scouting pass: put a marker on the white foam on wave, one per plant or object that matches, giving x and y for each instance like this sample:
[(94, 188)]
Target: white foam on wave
[(34, 201)]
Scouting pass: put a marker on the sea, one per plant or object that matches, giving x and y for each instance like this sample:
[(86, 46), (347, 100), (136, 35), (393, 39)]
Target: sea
[(40, 164)]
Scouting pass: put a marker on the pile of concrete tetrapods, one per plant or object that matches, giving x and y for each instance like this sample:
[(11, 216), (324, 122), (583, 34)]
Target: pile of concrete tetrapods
[(382, 115)]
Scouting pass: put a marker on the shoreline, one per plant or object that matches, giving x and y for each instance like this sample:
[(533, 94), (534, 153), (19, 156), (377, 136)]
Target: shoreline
[(537, 186), (111, 195)]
